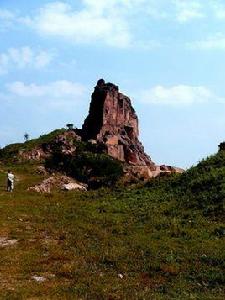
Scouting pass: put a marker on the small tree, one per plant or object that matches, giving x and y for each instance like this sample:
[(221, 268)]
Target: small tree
[(26, 136)]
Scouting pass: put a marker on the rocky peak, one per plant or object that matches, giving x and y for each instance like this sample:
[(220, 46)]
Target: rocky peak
[(112, 120), (112, 124)]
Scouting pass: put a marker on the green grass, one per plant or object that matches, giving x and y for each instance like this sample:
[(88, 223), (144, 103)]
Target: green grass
[(164, 243)]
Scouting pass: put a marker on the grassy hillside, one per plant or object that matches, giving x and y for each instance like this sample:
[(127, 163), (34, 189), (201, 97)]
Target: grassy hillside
[(90, 164), (161, 240), (11, 151)]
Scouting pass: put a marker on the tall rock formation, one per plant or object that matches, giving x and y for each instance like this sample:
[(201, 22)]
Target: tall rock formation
[(112, 124), (112, 121)]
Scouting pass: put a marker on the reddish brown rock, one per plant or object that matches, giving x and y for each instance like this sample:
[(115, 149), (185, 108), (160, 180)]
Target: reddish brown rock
[(113, 122), (64, 142)]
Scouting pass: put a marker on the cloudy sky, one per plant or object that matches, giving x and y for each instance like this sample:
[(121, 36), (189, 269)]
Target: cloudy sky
[(167, 55)]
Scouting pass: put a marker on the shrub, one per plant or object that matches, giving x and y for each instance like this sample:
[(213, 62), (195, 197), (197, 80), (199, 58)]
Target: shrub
[(93, 168)]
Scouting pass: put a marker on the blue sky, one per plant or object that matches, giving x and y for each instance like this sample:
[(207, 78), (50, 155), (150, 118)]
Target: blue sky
[(167, 55)]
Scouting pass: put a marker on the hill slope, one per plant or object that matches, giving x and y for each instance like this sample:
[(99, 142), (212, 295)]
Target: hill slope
[(160, 240)]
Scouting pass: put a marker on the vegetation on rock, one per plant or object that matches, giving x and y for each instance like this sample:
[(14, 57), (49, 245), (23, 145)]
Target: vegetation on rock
[(89, 165)]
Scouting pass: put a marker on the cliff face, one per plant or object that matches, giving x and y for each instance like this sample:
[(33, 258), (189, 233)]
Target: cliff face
[(112, 121)]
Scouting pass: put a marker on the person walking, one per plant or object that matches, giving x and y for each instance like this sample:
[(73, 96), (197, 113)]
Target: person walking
[(10, 181)]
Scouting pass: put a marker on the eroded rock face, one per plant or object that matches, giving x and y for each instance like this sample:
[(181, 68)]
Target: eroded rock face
[(64, 142), (112, 121)]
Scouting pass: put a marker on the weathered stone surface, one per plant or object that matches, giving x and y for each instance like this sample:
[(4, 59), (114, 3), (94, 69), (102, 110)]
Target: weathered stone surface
[(38, 278), (57, 181), (74, 186), (34, 154), (4, 242), (64, 142), (113, 122), (41, 170), (170, 169)]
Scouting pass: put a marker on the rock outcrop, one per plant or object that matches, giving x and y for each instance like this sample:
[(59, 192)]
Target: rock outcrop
[(113, 122), (58, 181), (63, 142), (112, 125), (74, 186)]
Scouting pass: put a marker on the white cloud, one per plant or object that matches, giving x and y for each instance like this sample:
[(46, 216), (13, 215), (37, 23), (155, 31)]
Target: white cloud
[(101, 22), (98, 21), (6, 14), (42, 59), (188, 10), (219, 10), (57, 95), (24, 57), (111, 22), (56, 89), (115, 23), (7, 18), (215, 42), (177, 95)]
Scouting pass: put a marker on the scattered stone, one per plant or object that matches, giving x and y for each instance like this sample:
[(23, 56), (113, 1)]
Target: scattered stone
[(43, 187), (120, 276), (57, 182), (39, 278), (41, 170), (74, 186), (4, 242)]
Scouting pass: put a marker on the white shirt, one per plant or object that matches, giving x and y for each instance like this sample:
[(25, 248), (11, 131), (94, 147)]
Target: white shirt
[(11, 177)]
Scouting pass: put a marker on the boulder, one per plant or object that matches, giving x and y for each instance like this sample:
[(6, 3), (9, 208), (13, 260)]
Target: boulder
[(74, 186), (41, 170), (57, 182)]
